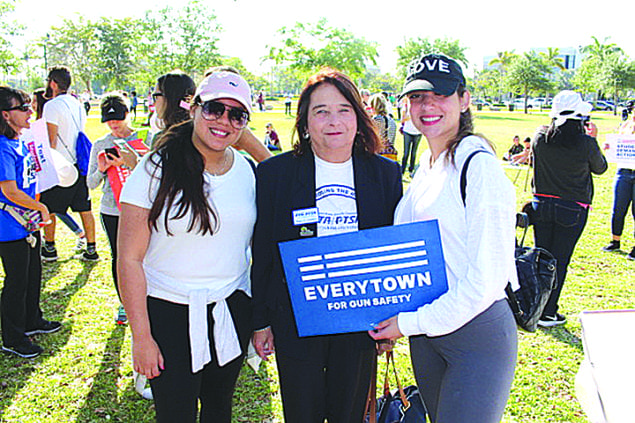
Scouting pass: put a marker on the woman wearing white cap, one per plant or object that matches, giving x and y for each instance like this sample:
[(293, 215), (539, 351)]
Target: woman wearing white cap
[(187, 218), (566, 153), (463, 345)]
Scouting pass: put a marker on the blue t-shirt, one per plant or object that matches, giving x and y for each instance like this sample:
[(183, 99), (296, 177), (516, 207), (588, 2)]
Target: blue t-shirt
[(16, 164)]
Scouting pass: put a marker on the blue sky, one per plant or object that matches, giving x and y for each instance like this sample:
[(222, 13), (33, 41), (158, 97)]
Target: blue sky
[(485, 27)]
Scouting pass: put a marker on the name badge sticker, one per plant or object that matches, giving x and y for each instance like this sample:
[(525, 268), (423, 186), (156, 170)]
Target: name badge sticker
[(305, 216)]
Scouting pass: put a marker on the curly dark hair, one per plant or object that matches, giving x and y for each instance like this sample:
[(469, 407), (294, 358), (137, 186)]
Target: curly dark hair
[(366, 140)]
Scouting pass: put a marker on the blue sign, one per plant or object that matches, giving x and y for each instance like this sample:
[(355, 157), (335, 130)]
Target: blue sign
[(350, 282)]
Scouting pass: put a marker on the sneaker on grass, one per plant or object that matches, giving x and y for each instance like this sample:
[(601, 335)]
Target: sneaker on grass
[(48, 254), (631, 255), (25, 350), (44, 327), (87, 256), (613, 246), (549, 321), (81, 245)]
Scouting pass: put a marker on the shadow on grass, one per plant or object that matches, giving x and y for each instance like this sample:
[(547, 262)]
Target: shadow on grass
[(15, 372), (102, 401), (562, 334), (252, 397)]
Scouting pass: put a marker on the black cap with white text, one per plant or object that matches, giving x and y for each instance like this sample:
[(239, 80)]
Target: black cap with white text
[(433, 72)]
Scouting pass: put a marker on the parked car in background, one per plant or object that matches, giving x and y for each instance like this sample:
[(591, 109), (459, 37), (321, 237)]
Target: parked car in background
[(538, 103), (604, 105)]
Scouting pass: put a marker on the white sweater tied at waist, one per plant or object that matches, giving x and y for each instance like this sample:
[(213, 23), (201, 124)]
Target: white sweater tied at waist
[(197, 298)]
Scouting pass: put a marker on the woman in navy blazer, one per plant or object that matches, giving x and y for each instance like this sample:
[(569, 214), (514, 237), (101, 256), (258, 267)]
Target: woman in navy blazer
[(328, 376)]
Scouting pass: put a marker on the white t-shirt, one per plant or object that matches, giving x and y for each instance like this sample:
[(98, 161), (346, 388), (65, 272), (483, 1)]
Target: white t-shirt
[(70, 117), (335, 197), (194, 269), (477, 238), (192, 258)]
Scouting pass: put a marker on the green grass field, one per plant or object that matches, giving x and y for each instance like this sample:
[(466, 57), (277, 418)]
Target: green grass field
[(85, 375)]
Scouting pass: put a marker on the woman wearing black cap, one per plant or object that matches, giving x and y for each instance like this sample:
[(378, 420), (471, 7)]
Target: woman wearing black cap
[(105, 154), (463, 345)]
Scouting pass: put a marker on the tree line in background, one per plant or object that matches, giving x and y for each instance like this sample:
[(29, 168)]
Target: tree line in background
[(108, 54)]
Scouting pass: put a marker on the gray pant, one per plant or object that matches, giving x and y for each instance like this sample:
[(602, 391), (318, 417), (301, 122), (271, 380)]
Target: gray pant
[(466, 376)]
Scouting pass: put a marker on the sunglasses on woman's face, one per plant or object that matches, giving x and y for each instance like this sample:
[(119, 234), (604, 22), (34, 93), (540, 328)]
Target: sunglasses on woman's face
[(213, 110), (22, 107), (155, 95)]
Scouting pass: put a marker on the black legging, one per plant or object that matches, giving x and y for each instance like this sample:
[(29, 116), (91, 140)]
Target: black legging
[(111, 224), (177, 390), (20, 307)]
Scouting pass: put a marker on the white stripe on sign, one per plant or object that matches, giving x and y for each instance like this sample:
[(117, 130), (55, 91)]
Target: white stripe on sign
[(381, 249), (377, 269), (380, 259), (309, 259), (312, 268), (314, 277)]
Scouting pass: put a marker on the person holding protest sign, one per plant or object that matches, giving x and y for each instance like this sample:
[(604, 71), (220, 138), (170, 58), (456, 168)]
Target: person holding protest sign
[(623, 196), (109, 152), (566, 154), (463, 345), (331, 183), (20, 311), (187, 216)]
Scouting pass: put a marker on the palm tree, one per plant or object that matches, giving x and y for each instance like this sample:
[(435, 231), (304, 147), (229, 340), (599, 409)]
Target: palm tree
[(503, 60), (600, 51), (553, 60)]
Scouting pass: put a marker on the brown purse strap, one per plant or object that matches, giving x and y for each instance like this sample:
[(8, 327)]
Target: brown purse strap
[(391, 359)]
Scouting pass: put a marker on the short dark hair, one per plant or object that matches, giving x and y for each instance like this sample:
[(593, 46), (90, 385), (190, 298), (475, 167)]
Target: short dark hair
[(7, 95), (366, 140), (62, 77)]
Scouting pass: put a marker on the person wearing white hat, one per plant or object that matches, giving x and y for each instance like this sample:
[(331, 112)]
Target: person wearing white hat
[(187, 217), (20, 311), (566, 154)]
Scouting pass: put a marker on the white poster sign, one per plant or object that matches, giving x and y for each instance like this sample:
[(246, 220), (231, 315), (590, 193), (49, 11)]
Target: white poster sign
[(621, 150)]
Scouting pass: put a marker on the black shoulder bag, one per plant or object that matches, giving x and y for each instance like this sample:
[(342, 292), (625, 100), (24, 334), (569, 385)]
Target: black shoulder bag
[(536, 268)]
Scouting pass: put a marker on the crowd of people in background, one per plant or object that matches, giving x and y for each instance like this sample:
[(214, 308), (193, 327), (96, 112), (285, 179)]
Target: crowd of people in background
[(193, 198)]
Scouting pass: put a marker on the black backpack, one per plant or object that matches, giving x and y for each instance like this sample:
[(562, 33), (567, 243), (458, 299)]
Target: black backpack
[(535, 266)]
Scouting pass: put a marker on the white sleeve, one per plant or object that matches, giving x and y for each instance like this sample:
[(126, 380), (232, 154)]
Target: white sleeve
[(491, 218), (51, 113), (141, 187)]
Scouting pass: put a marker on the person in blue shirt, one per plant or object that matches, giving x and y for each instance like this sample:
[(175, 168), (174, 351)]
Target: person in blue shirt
[(20, 311)]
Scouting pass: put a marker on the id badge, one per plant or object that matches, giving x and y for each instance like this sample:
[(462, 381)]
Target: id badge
[(305, 216)]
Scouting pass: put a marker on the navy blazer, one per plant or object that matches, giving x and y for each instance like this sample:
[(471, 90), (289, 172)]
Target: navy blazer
[(285, 183)]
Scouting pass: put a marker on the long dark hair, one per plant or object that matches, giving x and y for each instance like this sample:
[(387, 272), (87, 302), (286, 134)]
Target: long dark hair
[(182, 169), (175, 86), (366, 140), (466, 128), (40, 99), (7, 95)]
